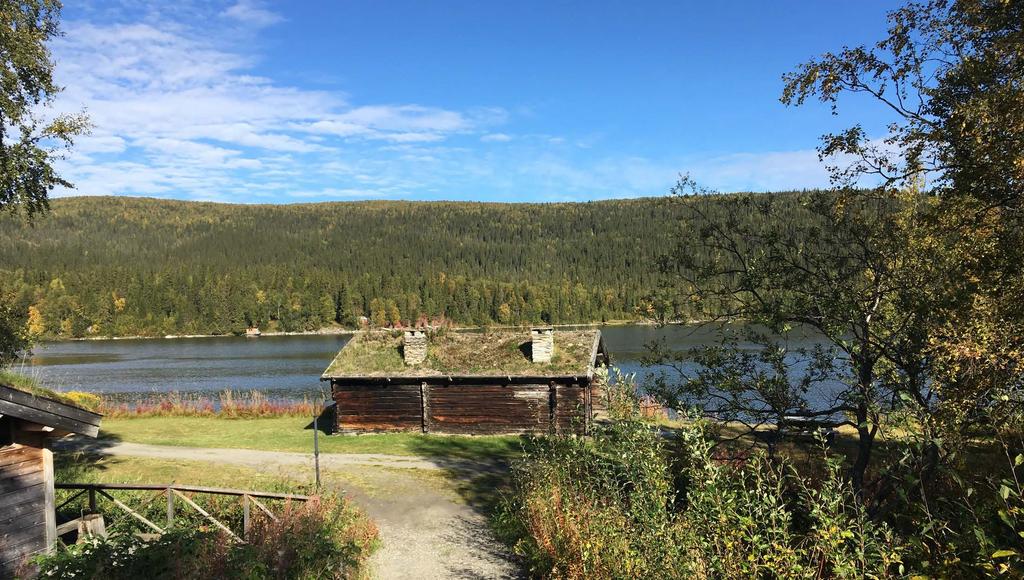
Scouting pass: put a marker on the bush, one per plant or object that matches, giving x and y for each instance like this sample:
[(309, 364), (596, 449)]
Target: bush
[(320, 538), (631, 503), (594, 509)]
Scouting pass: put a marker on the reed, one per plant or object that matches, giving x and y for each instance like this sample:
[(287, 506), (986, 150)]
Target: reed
[(228, 404)]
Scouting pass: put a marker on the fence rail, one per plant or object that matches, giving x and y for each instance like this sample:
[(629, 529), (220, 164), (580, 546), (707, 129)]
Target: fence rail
[(171, 492)]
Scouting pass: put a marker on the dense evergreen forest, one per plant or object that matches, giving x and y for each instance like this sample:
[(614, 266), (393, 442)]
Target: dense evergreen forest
[(114, 266)]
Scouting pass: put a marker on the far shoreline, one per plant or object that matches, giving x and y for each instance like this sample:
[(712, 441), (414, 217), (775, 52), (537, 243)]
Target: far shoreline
[(337, 331)]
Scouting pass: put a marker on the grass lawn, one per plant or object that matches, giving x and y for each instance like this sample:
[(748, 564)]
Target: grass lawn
[(291, 434), (78, 467)]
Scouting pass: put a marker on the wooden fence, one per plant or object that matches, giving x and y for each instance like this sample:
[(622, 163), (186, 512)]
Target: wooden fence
[(172, 493)]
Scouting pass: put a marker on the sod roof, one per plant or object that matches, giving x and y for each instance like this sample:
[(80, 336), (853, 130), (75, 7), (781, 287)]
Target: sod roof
[(495, 353)]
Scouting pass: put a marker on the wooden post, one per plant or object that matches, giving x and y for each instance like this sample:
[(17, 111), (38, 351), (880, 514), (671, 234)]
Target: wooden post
[(49, 501), (588, 408), (424, 408), (92, 500), (552, 407), (170, 507), (91, 525), (316, 451), (245, 517)]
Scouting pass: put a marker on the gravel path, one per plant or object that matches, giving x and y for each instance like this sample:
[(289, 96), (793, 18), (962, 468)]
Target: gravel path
[(427, 529)]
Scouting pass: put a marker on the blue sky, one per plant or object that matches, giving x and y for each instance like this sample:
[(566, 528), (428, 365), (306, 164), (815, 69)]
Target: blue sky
[(263, 102)]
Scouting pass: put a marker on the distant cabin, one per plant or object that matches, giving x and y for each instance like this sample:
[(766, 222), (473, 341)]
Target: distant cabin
[(28, 423), (537, 380)]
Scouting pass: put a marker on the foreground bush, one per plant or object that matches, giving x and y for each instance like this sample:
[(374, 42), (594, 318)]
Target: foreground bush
[(625, 506), (321, 538)]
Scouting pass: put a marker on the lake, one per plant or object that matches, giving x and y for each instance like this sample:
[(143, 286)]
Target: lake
[(280, 366)]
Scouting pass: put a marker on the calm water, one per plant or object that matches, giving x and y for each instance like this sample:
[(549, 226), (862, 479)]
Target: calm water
[(281, 366)]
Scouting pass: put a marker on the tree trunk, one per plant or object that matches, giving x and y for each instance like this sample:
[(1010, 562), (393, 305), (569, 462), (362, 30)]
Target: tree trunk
[(865, 432)]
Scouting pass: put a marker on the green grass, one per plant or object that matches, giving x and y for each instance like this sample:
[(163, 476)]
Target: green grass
[(31, 386), (79, 467), (291, 434)]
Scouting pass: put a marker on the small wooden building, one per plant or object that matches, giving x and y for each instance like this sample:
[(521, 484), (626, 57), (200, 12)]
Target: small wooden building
[(27, 425), (536, 380)]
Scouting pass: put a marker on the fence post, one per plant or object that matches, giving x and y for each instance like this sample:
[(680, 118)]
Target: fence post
[(316, 450), (170, 507), (92, 500), (245, 517)]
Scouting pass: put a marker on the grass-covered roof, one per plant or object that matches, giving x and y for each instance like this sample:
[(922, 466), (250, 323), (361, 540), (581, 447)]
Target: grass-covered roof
[(491, 353), (31, 386)]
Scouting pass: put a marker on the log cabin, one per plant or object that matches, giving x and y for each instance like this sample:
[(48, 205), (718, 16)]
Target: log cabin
[(28, 423), (537, 380)]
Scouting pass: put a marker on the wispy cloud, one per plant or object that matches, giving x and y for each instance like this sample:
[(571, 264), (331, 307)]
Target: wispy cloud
[(496, 138), (252, 13), (188, 117)]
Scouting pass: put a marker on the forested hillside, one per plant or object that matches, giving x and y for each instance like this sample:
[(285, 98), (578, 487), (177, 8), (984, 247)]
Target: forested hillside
[(128, 266), (125, 266)]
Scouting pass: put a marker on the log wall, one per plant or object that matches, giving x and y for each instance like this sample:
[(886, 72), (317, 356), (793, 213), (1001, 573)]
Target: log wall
[(488, 408), (27, 525), (378, 408), (572, 407), (463, 408)]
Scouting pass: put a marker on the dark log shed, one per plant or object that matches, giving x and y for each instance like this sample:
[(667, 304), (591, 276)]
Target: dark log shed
[(468, 382), (28, 423)]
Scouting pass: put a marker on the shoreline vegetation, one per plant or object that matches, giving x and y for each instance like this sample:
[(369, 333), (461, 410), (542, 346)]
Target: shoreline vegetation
[(338, 330)]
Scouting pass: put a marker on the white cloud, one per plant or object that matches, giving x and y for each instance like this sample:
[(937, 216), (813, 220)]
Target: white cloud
[(181, 110), (252, 13), (763, 171), (496, 138)]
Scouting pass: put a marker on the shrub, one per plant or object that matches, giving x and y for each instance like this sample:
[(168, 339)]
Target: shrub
[(594, 509), (632, 503), (321, 538)]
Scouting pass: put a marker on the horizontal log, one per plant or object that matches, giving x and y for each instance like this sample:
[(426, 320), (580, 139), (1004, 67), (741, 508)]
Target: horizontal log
[(185, 488), (34, 415), (382, 420), (375, 428), (22, 495), (12, 556), (346, 397), (379, 410), (483, 430), (485, 420), (501, 406), (9, 484), (375, 408), (375, 391), (18, 453), (31, 505), (496, 390), (32, 517), (377, 396), (380, 413), (19, 469), (50, 406), (27, 531)]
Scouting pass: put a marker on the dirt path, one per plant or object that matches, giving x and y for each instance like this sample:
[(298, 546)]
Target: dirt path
[(427, 528)]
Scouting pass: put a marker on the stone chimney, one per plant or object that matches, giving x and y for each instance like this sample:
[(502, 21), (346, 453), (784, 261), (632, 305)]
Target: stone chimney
[(414, 347), (543, 344)]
